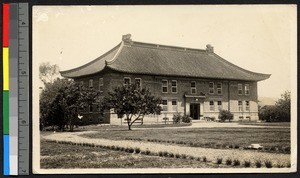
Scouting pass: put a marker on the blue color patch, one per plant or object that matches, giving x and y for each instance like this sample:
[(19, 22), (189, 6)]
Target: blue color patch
[(6, 154)]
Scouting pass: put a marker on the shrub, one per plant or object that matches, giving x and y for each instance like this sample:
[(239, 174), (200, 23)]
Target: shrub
[(192, 157), (147, 152), (186, 119), (280, 165), (219, 160), (225, 115), (122, 149), (258, 163), (171, 155), (236, 147), (228, 161), (236, 162), (176, 118), (137, 150), (247, 163), (177, 155), (268, 164), (165, 154), (198, 159), (183, 156), (160, 153), (204, 159), (113, 147)]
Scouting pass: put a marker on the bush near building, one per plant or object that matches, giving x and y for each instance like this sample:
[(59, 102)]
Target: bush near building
[(225, 115)]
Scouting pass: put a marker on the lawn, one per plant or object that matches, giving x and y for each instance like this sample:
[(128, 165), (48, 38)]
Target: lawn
[(270, 138), (55, 155), (277, 124)]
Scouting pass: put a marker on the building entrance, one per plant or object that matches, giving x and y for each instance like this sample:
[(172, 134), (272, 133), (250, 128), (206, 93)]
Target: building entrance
[(195, 111)]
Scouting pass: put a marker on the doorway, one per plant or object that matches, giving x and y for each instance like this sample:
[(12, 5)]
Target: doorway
[(195, 111)]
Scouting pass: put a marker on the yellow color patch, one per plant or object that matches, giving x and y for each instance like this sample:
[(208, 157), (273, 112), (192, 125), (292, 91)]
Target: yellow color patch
[(5, 69)]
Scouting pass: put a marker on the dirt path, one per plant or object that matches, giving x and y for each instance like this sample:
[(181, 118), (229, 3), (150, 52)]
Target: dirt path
[(211, 154)]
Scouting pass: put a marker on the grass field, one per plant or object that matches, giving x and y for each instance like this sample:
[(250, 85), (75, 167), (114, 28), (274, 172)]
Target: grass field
[(203, 137), (55, 155)]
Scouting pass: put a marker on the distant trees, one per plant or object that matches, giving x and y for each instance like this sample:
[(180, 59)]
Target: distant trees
[(60, 100), (281, 112), (132, 102)]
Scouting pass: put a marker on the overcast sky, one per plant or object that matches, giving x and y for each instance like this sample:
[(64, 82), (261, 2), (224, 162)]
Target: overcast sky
[(257, 38)]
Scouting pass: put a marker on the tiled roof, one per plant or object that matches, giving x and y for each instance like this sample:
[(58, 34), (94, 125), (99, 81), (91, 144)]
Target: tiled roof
[(144, 58)]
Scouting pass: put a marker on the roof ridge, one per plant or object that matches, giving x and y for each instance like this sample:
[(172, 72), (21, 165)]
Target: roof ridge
[(91, 62), (165, 47)]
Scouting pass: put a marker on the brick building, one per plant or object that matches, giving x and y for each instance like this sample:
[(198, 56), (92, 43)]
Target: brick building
[(194, 82)]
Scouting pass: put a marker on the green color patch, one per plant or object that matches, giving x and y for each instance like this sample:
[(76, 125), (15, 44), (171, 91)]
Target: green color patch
[(5, 112)]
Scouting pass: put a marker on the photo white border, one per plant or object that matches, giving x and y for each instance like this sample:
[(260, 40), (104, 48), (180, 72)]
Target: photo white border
[(36, 133)]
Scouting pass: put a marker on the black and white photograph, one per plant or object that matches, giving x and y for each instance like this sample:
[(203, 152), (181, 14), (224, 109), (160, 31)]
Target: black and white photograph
[(164, 89)]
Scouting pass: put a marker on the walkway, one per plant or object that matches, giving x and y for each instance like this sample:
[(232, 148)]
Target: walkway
[(211, 154)]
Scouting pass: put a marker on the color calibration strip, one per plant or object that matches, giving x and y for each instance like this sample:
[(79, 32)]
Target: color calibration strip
[(5, 49), (15, 89)]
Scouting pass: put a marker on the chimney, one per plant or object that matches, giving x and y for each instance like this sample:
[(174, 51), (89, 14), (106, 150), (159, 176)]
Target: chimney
[(209, 49), (127, 38)]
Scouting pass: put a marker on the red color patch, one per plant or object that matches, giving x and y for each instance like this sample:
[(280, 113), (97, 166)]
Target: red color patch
[(5, 24)]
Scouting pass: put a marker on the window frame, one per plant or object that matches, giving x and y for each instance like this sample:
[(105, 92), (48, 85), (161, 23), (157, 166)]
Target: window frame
[(124, 81), (240, 89), (140, 86), (174, 107), (162, 85), (164, 105), (247, 108), (220, 107), (195, 88), (211, 88), (240, 106), (101, 84), (173, 86), (247, 89), (91, 83), (212, 106), (220, 89)]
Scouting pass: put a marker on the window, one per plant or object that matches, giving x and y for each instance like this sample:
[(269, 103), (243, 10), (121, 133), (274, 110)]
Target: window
[(240, 89), (211, 87), (165, 105), (174, 86), (101, 84), (165, 86), (193, 88), (138, 82), (91, 83), (247, 89), (219, 88), (212, 105), (240, 104), (91, 108), (81, 85), (220, 105), (247, 106), (127, 81), (174, 105)]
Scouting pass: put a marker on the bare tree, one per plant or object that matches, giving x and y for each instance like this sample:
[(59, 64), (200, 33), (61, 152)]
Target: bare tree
[(48, 72)]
